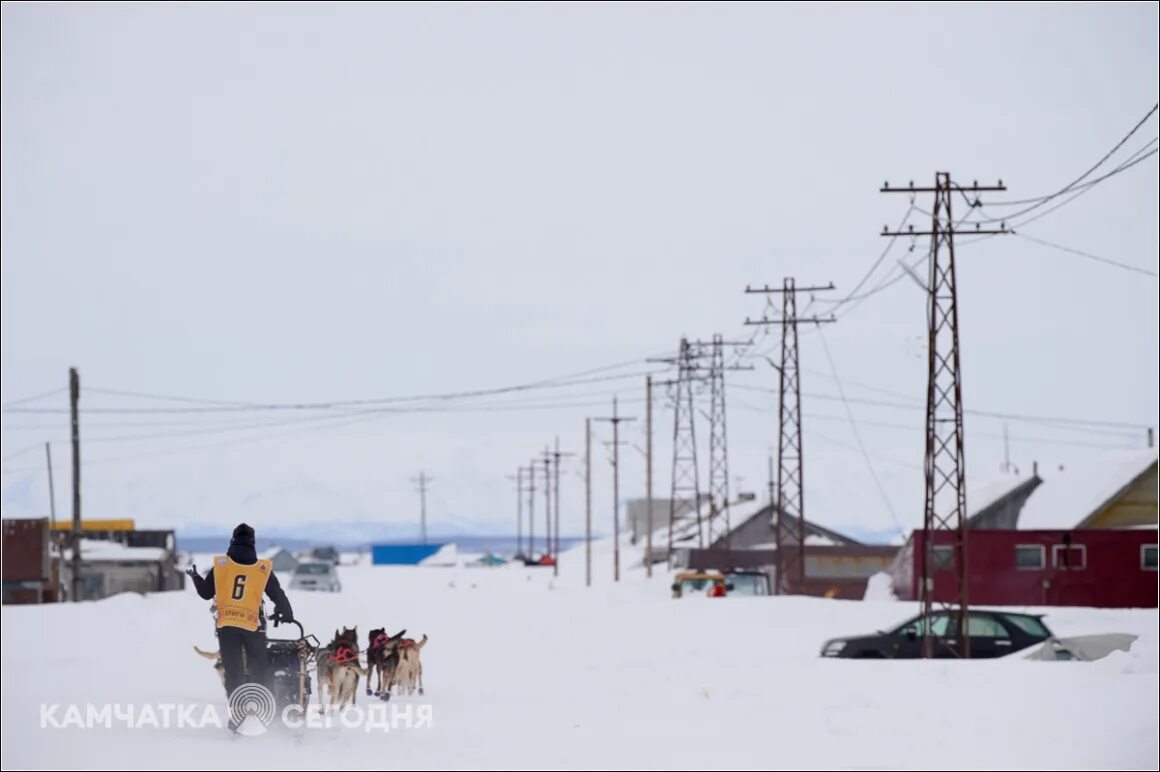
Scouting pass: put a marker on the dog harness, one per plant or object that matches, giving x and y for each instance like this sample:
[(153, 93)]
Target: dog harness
[(345, 654)]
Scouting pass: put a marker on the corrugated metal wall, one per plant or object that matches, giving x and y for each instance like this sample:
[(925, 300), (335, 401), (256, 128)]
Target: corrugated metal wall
[(26, 550)]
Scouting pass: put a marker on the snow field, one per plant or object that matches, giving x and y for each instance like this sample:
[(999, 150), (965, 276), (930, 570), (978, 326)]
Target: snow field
[(527, 671)]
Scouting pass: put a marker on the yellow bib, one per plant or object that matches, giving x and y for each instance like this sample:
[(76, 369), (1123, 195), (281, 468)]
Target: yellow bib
[(238, 591)]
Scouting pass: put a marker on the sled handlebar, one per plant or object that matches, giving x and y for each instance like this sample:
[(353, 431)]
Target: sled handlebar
[(301, 632)]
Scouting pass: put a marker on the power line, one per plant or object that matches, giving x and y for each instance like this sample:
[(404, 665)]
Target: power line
[(1079, 191), (1088, 255), (350, 403), (35, 397), (986, 413), (1131, 161), (858, 435), (164, 397), (891, 278), (21, 452), (836, 304), (885, 459), (232, 421), (1127, 440), (1071, 185)]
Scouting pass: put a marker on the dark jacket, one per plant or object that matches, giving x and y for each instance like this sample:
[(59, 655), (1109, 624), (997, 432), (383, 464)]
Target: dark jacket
[(247, 556)]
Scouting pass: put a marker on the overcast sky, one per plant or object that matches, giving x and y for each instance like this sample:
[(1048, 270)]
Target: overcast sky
[(296, 203)]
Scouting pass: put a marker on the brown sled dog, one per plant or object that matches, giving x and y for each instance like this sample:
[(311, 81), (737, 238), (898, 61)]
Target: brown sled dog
[(217, 665), (409, 673)]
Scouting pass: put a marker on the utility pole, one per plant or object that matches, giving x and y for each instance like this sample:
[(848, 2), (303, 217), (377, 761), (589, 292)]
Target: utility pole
[(790, 534), (1151, 438), (74, 392), (51, 489), (422, 480), (532, 511), (556, 456), (587, 502), (519, 478), (772, 499), (616, 420), (648, 475), (1006, 451), (946, 491), (548, 500), (718, 524), (684, 481)]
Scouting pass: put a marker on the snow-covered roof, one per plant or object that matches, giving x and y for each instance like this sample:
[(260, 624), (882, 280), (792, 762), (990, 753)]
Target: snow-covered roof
[(1069, 497), (812, 540), (100, 550), (739, 512), (983, 492)]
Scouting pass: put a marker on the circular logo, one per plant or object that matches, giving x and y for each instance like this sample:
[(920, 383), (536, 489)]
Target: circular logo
[(251, 709)]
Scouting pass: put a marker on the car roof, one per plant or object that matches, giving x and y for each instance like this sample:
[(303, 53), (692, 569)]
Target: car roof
[(985, 610)]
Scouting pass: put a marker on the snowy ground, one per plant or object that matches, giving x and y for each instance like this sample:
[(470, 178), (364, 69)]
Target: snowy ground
[(524, 671)]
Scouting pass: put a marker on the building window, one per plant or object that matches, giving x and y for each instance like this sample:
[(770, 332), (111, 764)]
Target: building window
[(1148, 557), (1029, 557), (1069, 558), (942, 558)]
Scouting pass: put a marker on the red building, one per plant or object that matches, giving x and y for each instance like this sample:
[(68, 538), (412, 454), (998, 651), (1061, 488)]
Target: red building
[(1080, 567)]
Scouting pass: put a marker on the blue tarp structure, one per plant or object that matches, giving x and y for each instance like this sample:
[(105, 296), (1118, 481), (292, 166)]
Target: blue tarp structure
[(402, 554)]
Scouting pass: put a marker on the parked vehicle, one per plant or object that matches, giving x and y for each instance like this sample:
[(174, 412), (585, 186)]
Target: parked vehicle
[(746, 582), (692, 582), (316, 575), (719, 585), (992, 633), (327, 554)]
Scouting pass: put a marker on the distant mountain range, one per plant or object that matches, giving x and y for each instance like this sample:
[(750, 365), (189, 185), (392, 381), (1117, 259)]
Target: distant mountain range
[(470, 537)]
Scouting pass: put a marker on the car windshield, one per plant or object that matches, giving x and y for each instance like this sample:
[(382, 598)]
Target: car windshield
[(747, 584), (313, 569), (1028, 624), (695, 585)]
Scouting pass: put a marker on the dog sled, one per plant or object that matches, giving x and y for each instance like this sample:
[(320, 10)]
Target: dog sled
[(290, 663)]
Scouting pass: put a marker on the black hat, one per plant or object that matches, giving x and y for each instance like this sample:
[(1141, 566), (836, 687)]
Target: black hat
[(243, 534)]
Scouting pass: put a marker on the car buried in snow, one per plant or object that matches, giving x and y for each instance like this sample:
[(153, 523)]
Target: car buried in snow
[(993, 633)]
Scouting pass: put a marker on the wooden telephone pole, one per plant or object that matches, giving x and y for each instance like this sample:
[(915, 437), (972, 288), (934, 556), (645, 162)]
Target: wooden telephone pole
[(648, 475), (616, 420), (422, 480), (588, 502), (74, 392), (51, 488), (555, 456)]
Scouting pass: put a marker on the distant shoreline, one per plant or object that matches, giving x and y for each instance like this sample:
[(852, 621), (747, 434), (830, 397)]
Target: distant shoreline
[(465, 543)]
